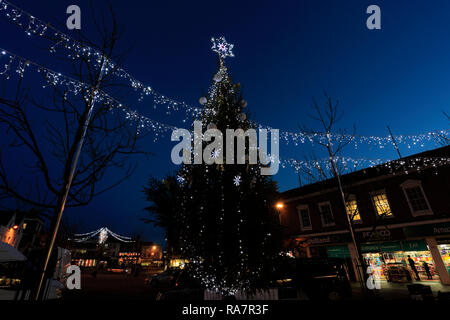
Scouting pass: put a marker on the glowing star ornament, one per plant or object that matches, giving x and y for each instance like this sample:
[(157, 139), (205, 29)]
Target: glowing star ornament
[(180, 179), (215, 154), (237, 181), (222, 47)]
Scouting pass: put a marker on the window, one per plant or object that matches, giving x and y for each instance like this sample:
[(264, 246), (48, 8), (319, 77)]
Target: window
[(417, 201), (303, 215), (326, 214), (381, 204), (353, 211)]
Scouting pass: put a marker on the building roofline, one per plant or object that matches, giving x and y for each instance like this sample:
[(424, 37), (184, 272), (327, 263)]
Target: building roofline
[(377, 171)]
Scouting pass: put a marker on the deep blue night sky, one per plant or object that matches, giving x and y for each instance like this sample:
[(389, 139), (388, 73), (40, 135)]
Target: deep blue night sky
[(286, 53)]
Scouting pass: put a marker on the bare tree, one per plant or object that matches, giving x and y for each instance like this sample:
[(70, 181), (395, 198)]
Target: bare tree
[(51, 131), (333, 140), (442, 138)]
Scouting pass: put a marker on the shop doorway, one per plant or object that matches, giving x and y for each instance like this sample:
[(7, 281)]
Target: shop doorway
[(395, 267), (444, 249)]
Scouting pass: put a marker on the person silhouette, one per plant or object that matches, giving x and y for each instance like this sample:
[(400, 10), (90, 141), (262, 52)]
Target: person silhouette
[(412, 264), (427, 270)]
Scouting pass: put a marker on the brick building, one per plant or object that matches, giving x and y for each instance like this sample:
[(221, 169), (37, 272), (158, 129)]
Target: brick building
[(399, 209)]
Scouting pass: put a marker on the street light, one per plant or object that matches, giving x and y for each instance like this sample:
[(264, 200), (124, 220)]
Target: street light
[(279, 205)]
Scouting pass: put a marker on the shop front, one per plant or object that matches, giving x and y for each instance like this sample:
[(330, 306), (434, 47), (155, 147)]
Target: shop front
[(437, 237), (389, 260), (387, 251), (444, 249)]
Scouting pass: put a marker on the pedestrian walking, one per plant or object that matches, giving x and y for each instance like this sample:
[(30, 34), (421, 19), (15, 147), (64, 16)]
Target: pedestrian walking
[(427, 270), (412, 264)]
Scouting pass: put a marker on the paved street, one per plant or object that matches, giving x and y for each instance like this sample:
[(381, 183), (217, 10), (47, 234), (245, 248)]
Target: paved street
[(117, 286), (112, 287), (394, 291)]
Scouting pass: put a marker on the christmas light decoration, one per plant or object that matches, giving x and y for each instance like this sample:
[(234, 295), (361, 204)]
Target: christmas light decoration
[(103, 234), (19, 64), (15, 64), (33, 26), (222, 47)]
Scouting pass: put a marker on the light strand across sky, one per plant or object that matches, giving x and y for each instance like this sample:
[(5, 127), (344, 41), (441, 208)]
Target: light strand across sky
[(37, 27)]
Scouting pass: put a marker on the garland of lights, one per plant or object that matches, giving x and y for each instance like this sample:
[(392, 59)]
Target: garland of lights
[(405, 165), (18, 65), (34, 26), (103, 236)]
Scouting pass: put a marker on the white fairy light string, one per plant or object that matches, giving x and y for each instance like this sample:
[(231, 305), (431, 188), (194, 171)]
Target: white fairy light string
[(34, 26), (351, 164), (19, 64), (103, 234)]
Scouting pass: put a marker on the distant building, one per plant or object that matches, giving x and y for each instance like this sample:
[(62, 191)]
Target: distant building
[(32, 229), (151, 254), (90, 254), (398, 210), (11, 227)]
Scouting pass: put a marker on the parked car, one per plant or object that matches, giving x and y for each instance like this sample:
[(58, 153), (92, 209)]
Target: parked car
[(118, 270), (318, 279), (183, 288), (185, 280), (165, 279)]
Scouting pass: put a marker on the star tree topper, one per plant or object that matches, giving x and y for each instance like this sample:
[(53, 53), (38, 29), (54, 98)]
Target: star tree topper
[(222, 47)]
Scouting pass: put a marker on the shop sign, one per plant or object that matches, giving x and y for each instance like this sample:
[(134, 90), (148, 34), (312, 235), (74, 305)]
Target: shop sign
[(443, 241), (378, 247), (394, 246), (338, 252), (414, 245), (428, 230), (329, 239), (381, 235), (370, 247), (391, 246)]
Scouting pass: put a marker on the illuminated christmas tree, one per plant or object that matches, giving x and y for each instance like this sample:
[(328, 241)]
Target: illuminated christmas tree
[(223, 214)]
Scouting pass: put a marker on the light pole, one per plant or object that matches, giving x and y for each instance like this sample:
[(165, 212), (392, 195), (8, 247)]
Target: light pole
[(66, 188)]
